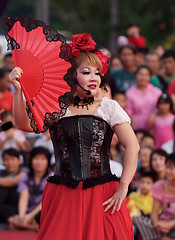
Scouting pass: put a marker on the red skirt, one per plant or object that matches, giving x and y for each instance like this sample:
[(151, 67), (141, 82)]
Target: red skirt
[(78, 214)]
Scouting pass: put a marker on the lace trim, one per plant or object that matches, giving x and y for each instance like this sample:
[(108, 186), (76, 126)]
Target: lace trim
[(88, 183)]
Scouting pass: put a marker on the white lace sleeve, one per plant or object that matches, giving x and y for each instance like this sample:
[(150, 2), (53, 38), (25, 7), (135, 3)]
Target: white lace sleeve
[(111, 112)]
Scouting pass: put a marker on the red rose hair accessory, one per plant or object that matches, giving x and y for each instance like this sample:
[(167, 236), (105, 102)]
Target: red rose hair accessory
[(82, 42), (104, 61)]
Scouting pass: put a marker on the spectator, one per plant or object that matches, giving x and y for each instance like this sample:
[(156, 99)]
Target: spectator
[(30, 190), (124, 78), (159, 49), (144, 162), (169, 65), (143, 198), (140, 57), (140, 133), (169, 146), (115, 64), (9, 178), (6, 97), (142, 98), (134, 37), (161, 122), (12, 138), (158, 166), (153, 62), (120, 97), (163, 193), (8, 61), (148, 140)]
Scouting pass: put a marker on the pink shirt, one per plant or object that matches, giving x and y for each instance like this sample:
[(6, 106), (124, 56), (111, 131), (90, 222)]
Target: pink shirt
[(163, 130), (167, 201), (141, 104)]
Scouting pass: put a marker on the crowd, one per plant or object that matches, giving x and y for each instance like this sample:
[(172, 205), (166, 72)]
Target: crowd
[(142, 81)]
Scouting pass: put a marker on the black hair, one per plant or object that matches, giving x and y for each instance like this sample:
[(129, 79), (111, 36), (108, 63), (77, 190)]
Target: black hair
[(166, 99), (11, 152), (131, 47), (117, 92), (168, 54), (7, 55), (170, 158), (143, 67), (38, 151), (140, 130), (147, 175), (3, 71), (160, 152), (132, 24), (5, 114), (148, 135)]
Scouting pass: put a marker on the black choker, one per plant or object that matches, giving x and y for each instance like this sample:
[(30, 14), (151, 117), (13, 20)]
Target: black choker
[(79, 102)]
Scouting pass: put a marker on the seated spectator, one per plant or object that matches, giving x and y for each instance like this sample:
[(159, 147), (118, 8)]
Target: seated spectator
[(148, 140), (6, 97), (123, 79), (12, 138), (140, 133), (115, 64), (143, 198), (140, 56), (134, 37), (8, 61), (9, 179), (159, 49), (144, 166), (161, 122), (120, 97), (162, 226), (142, 98), (169, 146), (158, 166), (168, 60), (30, 190)]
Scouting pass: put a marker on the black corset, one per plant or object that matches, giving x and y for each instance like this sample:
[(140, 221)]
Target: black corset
[(81, 144)]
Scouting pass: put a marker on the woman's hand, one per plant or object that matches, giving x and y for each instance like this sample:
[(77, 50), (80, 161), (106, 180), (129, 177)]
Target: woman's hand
[(15, 76), (164, 226), (116, 200)]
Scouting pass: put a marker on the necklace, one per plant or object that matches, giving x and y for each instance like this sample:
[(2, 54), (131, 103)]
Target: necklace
[(82, 102)]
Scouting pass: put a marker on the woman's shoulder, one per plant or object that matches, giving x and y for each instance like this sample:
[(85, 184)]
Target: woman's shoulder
[(158, 189)]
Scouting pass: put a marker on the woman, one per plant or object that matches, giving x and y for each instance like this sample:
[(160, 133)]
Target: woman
[(30, 190), (83, 200), (142, 98)]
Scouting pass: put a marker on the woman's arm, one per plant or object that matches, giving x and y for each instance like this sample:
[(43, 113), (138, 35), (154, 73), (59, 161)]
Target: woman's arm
[(19, 111), (129, 141), (31, 215), (155, 211), (11, 181), (23, 202)]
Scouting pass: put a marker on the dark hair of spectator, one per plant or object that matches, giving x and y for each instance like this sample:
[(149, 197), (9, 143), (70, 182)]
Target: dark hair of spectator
[(165, 98), (3, 71), (5, 114), (39, 151), (168, 54), (146, 175), (140, 130), (159, 152), (143, 67), (132, 24), (7, 55), (144, 51), (11, 152), (114, 93), (170, 158), (131, 47), (149, 136)]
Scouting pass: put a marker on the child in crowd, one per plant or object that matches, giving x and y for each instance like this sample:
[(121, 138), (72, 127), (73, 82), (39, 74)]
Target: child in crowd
[(158, 166), (30, 190), (9, 178), (144, 166), (134, 37), (148, 140), (162, 121), (143, 198)]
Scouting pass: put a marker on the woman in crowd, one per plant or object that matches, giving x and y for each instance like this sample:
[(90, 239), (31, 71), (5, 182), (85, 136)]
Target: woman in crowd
[(83, 200)]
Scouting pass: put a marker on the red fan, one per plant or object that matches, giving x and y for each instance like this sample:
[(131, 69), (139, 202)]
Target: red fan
[(37, 52)]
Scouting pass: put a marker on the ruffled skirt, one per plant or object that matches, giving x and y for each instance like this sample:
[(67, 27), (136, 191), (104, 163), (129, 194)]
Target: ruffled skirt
[(78, 214)]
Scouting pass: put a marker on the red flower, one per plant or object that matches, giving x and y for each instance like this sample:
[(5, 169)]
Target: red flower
[(104, 61), (82, 42)]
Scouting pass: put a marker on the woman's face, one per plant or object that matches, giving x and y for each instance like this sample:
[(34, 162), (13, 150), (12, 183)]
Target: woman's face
[(89, 78), (143, 77), (164, 107), (170, 171), (158, 162), (144, 158), (39, 163)]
